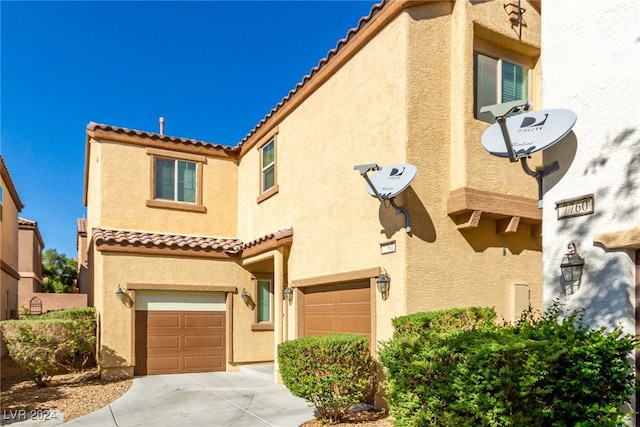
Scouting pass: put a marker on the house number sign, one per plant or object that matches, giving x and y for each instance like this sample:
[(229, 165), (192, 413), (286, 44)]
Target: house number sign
[(578, 206)]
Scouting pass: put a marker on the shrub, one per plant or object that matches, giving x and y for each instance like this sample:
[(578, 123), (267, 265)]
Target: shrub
[(332, 372), (46, 344), (544, 371), (39, 346)]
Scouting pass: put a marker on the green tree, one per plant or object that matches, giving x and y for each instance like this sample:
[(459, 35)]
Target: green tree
[(59, 272)]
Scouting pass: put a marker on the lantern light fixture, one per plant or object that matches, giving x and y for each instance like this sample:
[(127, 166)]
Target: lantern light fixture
[(572, 264), (120, 293), (287, 293)]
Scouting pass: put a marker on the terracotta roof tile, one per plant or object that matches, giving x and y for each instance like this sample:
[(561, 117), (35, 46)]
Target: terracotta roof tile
[(158, 240), (26, 223), (11, 188), (341, 43), (136, 238), (155, 136)]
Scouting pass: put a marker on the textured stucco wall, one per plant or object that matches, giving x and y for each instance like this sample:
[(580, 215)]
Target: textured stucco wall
[(591, 63), (116, 319), (447, 267), (126, 186), (358, 116), (8, 255)]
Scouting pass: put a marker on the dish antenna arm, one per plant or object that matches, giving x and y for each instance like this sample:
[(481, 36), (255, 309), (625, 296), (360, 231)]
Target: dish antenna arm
[(500, 113), (363, 169)]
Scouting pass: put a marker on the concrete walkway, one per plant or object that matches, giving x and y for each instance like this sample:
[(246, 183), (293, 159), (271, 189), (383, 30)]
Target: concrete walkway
[(208, 399)]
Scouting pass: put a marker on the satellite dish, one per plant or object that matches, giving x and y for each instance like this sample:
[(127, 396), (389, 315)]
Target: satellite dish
[(392, 180), (529, 132)]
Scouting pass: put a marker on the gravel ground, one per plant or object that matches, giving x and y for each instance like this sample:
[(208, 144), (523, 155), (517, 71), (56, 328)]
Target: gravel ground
[(73, 395)]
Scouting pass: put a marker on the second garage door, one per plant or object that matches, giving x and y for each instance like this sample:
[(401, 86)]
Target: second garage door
[(343, 307), (179, 333)]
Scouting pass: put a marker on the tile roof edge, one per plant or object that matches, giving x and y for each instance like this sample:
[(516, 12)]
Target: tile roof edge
[(93, 126), (4, 170)]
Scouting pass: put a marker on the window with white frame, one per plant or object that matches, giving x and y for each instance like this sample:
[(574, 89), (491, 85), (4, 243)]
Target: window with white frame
[(175, 180), (497, 80), (265, 300), (268, 166)]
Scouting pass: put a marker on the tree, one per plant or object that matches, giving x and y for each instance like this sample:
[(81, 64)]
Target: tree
[(59, 272)]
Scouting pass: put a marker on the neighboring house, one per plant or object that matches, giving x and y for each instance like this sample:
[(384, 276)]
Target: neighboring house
[(30, 256), (81, 246), (10, 206), (192, 244), (599, 160)]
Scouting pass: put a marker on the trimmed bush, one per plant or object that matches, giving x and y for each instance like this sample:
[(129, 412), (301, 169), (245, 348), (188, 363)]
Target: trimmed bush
[(544, 371), (333, 372), (47, 344)]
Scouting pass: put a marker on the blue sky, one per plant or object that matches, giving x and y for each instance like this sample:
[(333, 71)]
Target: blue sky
[(212, 69)]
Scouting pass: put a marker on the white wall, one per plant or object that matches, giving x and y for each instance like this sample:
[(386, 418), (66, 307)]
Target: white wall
[(591, 65)]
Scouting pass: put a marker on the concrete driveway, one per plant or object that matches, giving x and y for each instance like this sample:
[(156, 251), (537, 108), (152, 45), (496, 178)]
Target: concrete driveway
[(209, 399)]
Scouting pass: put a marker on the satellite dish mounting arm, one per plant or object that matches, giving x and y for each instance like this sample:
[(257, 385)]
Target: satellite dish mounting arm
[(500, 113), (363, 169)]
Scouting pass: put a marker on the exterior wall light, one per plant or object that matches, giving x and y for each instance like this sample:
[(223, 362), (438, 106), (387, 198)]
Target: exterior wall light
[(244, 295), (120, 293), (382, 283), (287, 293), (572, 264)]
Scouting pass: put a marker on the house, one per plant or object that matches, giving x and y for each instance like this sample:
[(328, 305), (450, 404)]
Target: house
[(192, 244), (30, 245), (593, 202), (10, 207)]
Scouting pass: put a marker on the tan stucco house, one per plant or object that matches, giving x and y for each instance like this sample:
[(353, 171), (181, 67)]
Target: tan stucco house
[(10, 207), (191, 244)]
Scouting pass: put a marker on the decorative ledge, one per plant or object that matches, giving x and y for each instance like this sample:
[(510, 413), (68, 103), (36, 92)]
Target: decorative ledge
[(623, 239), (466, 206)]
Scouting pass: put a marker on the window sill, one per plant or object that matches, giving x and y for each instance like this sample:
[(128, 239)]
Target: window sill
[(269, 193), (179, 206), (262, 327)]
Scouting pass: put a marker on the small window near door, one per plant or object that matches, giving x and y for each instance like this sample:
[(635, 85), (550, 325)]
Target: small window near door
[(265, 298)]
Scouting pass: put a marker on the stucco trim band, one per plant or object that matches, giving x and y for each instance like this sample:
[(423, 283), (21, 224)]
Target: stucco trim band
[(496, 205), (348, 276), (9, 270), (623, 239), (181, 288)]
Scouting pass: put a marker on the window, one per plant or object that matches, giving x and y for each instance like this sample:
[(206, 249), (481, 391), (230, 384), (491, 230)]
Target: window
[(268, 165), (175, 180), (265, 297), (497, 81)]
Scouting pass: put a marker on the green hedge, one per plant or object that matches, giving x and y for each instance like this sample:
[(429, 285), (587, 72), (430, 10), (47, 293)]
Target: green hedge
[(46, 344), (547, 371), (332, 372)]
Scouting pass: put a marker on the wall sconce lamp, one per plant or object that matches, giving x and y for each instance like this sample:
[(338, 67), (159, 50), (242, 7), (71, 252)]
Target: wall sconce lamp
[(287, 293), (572, 264), (245, 295), (382, 283), (120, 293)]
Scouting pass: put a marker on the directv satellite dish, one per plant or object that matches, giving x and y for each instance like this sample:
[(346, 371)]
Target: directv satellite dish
[(392, 180), (517, 137), (529, 132), (387, 183)]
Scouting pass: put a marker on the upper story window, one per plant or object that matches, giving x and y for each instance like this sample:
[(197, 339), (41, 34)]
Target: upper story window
[(268, 159), (175, 180), (497, 80)]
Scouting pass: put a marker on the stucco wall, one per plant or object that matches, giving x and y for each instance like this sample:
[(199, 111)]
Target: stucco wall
[(591, 59), (52, 302), (126, 186), (447, 267), (125, 269)]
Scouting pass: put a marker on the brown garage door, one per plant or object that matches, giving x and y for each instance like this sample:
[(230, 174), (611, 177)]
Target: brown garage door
[(344, 307), (171, 342)]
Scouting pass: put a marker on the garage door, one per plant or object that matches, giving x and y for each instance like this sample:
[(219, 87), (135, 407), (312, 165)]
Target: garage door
[(344, 307), (179, 332)]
